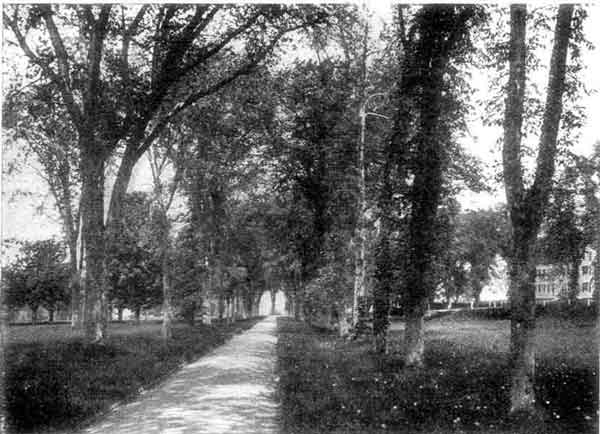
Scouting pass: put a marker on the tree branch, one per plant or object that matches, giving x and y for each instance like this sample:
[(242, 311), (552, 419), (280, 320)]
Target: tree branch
[(66, 93), (513, 117), (539, 192), (215, 48), (127, 35), (94, 58)]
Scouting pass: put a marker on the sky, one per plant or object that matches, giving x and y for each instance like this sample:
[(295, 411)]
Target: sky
[(22, 217)]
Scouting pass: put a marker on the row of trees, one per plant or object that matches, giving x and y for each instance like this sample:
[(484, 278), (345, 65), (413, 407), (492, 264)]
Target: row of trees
[(334, 177)]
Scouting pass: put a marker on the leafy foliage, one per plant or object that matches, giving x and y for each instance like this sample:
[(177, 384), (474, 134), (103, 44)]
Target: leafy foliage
[(39, 276), (133, 261)]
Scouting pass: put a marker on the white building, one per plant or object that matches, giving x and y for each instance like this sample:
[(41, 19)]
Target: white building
[(551, 281)]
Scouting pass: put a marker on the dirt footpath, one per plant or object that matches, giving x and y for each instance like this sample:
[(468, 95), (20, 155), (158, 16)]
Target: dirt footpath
[(228, 391)]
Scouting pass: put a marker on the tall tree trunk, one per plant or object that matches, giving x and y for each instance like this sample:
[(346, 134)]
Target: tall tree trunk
[(596, 288), (4, 321), (74, 281), (51, 314), (448, 302), (526, 207), (381, 316), (414, 335), (297, 308), (138, 314), (120, 313), (167, 309), (429, 161), (360, 265), (273, 300), (343, 323), (574, 279), (34, 314), (522, 327), (426, 193), (77, 284), (92, 172), (221, 307), (71, 224)]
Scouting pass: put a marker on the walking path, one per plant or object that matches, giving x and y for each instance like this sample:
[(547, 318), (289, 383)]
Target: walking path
[(228, 391)]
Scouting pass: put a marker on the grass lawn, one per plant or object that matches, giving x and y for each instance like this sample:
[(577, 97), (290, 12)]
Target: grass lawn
[(55, 381), (329, 385)]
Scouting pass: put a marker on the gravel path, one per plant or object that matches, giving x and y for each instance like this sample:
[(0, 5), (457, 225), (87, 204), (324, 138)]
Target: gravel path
[(228, 391)]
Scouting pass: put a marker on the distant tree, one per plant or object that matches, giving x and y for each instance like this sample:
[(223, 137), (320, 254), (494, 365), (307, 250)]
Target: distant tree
[(33, 119), (227, 135), (170, 154), (468, 243), (317, 168), (190, 271), (564, 236), (483, 234), (39, 277), (134, 264), (588, 169)]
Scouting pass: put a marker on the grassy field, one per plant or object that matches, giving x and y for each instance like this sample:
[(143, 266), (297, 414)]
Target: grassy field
[(329, 385), (55, 381)]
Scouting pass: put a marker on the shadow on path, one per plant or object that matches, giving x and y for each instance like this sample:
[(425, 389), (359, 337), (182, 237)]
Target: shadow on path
[(228, 391)]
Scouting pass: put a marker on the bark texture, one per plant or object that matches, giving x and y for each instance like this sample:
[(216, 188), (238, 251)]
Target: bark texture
[(93, 234), (414, 338), (526, 206)]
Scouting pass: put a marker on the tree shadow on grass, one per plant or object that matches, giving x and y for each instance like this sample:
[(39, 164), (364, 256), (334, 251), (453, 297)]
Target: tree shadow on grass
[(463, 388)]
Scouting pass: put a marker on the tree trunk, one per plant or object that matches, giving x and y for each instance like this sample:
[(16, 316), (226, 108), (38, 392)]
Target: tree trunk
[(34, 314), (381, 316), (71, 234), (51, 315), (78, 291), (119, 190), (429, 162), (191, 315), (166, 330), (597, 263), (4, 324), (297, 309), (221, 307), (414, 336), (120, 313), (167, 309), (526, 207), (273, 300), (228, 310), (574, 279), (94, 239), (137, 313), (343, 324), (522, 327), (74, 287)]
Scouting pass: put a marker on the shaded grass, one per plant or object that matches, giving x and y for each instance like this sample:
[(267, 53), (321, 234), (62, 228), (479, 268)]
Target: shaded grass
[(328, 385), (56, 380)]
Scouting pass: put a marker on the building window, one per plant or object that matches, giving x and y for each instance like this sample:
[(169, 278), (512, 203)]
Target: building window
[(585, 286), (585, 270)]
